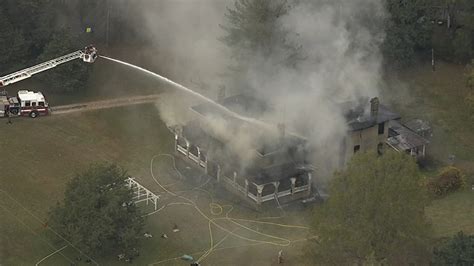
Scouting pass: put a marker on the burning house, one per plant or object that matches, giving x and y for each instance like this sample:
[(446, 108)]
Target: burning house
[(270, 164), (262, 164), (375, 128)]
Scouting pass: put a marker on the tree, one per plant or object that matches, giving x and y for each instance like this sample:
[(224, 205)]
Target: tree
[(459, 250), (35, 19), (463, 45), (408, 29), (98, 214), (254, 29), (67, 77), (13, 45), (375, 213)]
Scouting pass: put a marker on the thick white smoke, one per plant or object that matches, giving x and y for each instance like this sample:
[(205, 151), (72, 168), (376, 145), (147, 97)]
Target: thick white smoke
[(339, 41), (341, 64)]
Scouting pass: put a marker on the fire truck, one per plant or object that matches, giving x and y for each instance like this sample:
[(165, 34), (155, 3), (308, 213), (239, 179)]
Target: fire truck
[(30, 103)]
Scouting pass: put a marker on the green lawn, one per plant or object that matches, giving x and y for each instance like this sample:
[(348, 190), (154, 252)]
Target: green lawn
[(44, 153), (439, 97), (453, 214), (41, 155)]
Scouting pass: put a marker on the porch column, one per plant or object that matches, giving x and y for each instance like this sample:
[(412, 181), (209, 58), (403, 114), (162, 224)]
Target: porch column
[(259, 193), (187, 148), (199, 155), (175, 142), (310, 176), (218, 172), (246, 187), (293, 182), (276, 184)]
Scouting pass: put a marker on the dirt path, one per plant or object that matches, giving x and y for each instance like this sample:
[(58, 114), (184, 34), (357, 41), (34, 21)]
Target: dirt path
[(96, 105)]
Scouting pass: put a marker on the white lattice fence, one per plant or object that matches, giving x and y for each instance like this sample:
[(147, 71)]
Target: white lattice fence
[(141, 193)]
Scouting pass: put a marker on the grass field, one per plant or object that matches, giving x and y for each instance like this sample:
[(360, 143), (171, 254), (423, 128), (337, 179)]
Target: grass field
[(44, 153), (439, 98), (62, 145), (41, 155), (453, 213)]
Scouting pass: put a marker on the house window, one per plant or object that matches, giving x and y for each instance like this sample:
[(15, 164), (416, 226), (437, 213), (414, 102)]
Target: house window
[(356, 148), (381, 128), (27, 103)]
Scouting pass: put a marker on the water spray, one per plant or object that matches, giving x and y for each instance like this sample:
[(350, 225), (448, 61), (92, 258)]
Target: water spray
[(183, 88)]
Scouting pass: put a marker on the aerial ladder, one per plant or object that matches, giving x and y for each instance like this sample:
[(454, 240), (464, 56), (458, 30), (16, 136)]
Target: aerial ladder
[(29, 103), (88, 55)]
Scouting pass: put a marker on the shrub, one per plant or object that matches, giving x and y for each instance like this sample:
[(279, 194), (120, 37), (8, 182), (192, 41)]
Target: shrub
[(449, 180), (458, 250)]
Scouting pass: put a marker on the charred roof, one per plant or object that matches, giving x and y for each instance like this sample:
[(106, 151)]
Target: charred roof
[(402, 138), (246, 105), (359, 117)]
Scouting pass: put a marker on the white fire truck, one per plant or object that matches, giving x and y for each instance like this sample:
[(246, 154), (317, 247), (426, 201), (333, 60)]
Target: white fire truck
[(33, 104)]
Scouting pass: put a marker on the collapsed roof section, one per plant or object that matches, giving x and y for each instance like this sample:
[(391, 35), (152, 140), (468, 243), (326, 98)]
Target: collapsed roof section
[(275, 154), (402, 138), (264, 141), (246, 105), (360, 117)]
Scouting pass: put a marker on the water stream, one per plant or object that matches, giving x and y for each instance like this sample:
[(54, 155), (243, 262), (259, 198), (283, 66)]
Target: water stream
[(183, 88)]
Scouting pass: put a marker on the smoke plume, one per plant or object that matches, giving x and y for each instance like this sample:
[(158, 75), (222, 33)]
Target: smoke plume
[(340, 62)]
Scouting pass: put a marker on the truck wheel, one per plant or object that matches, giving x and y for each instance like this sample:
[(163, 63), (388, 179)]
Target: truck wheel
[(33, 114)]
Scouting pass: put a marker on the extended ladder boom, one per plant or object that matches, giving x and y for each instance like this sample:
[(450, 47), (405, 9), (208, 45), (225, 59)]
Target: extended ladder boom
[(89, 54)]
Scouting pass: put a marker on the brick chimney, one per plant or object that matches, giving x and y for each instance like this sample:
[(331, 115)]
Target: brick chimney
[(374, 107)]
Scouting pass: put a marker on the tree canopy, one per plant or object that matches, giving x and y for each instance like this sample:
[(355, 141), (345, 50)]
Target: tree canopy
[(408, 29), (14, 45), (253, 29), (67, 77), (375, 213), (32, 31), (458, 250), (98, 213)]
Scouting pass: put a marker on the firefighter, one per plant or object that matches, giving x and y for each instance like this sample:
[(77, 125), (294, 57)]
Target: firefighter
[(9, 117)]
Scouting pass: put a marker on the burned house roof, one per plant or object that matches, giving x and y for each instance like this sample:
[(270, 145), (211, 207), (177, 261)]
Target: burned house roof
[(278, 155), (419, 126), (211, 110), (359, 117), (271, 146), (402, 138), (267, 142), (246, 105)]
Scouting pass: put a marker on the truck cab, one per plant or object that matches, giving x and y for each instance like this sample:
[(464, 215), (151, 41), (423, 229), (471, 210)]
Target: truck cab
[(27, 103)]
